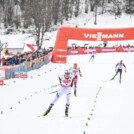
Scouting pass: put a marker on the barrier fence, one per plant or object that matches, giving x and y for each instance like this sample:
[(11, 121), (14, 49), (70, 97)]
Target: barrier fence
[(8, 72)]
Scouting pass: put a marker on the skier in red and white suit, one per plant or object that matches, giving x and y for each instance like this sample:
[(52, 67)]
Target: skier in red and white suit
[(75, 70), (66, 82)]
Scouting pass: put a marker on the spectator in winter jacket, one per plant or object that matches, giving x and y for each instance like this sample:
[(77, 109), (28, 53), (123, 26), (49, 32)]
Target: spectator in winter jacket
[(13, 61), (3, 61)]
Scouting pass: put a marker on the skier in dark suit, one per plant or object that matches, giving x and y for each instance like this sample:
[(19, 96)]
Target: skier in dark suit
[(118, 68)]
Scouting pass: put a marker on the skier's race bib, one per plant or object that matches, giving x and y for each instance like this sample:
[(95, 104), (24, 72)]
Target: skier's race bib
[(66, 81)]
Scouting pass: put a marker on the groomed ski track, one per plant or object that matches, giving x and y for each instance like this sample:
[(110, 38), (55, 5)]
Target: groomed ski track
[(100, 107)]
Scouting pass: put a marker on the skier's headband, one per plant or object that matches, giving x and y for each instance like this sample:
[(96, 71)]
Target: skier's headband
[(67, 73)]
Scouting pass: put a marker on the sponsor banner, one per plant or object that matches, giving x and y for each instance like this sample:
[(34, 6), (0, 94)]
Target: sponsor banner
[(100, 50), (97, 34), (20, 75), (16, 75), (73, 52), (23, 76), (89, 51), (108, 50), (128, 49)]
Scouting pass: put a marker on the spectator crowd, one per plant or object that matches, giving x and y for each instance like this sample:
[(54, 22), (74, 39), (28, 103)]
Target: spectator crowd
[(25, 57)]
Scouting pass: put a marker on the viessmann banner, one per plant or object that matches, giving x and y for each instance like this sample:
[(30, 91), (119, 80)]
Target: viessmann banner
[(87, 34), (101, 34)]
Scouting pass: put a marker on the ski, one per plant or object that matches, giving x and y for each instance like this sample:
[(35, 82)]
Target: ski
[(55, 85), (68, 116), (45, 114), (39, 116), (107, 81), (53, 92)]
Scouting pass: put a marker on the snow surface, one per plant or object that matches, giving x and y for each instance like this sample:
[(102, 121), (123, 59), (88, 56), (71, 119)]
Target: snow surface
[(102, 107)]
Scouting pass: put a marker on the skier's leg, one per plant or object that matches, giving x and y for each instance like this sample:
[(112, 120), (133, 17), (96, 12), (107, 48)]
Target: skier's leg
[(75, 85), (120, 76), (48, 110), (67, 103), (57, 96), (115, 74), (90, 59), (51, 105)]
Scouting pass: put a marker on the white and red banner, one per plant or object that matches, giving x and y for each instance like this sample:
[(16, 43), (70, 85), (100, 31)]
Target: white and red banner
[(88, 34), (99, 50), (30, 48)]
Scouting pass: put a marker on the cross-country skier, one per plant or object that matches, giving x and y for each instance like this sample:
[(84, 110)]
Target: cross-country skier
[(75, 70), (118, 68), (92, 56), (66, 82)]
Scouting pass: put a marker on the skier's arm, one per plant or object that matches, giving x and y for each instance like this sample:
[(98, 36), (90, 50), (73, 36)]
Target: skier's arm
[(80, 73), (72, 82), (116, 66), (59, 79), (124, 67)]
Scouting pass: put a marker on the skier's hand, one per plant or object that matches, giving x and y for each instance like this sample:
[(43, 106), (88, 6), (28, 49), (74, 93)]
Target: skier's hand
[(80, 75), (125, 71)]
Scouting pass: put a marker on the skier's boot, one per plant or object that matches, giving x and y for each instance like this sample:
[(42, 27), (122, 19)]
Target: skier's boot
[(112, 78), (66, 110), (48, 110)]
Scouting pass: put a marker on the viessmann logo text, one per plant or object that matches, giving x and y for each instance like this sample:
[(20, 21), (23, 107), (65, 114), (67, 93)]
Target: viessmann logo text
[(99, 36)]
